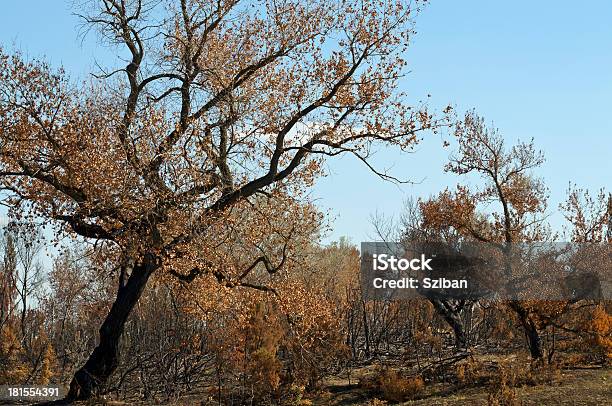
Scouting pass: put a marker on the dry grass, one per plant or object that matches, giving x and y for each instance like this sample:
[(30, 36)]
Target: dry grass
[(487, 380), (514, 384), (392, 386)]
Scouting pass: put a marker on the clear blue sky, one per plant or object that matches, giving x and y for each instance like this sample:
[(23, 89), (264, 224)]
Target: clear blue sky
[(540, 69)]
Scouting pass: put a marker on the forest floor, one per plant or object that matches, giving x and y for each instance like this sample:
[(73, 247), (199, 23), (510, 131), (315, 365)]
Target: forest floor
[(572, 387), (580, 385)]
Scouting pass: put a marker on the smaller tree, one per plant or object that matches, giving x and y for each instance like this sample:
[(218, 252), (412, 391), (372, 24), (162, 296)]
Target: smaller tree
[(508, 209), (8, 280), (25, 353), (415, 229), (27, 241), (590, 229)]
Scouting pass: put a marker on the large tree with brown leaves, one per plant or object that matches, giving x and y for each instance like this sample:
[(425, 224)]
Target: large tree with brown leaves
[(158, 159)]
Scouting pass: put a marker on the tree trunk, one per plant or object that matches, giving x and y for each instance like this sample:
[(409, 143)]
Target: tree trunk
[(534, 342), (366, 328), (90, 378), (454, 321)]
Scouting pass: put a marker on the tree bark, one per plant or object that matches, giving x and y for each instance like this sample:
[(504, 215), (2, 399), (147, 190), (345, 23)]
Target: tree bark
[(454, 321), (102, 362), (534, 342)]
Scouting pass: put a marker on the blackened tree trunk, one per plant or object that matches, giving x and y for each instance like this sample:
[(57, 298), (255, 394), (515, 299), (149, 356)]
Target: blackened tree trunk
[(103, 361), (534, 342), (452, 316)]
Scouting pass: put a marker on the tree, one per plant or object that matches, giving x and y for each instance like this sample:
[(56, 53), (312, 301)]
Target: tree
[(219, 102), (415, 229), (411, 229), (590, 219), (520, 200), (8, 280), (26, 241)]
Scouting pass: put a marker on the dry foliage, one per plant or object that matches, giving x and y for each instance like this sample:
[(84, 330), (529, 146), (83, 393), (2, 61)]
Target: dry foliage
[(391, 386), (181, 181)]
